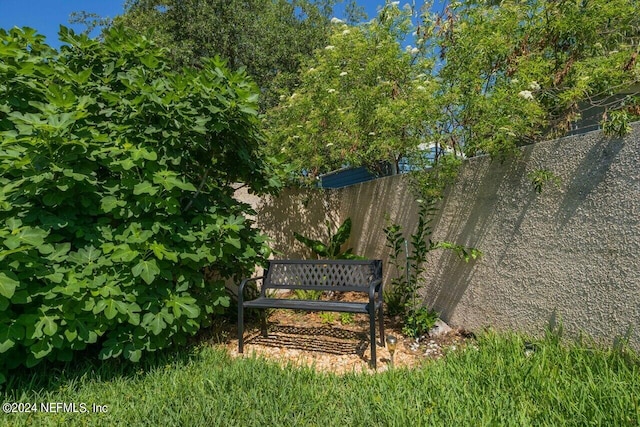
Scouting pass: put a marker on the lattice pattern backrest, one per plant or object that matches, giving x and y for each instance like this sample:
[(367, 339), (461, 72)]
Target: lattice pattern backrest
[(333, 275)]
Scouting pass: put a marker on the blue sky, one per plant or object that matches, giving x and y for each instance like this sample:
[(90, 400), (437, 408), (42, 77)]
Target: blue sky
[(47, 15)]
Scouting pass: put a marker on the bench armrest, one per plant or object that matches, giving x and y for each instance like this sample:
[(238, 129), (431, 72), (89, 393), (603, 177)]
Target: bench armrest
[(372, 289), (241, 288)]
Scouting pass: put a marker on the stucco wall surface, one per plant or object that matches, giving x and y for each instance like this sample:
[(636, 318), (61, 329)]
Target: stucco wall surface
[(570, 253)]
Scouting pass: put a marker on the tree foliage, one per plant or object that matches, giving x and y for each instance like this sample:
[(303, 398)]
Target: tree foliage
[(514, 72), (362, 99), (115, 194), (483, 77), (268, 38)]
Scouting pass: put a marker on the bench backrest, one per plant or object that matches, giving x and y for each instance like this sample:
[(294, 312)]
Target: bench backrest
[(323, 275)]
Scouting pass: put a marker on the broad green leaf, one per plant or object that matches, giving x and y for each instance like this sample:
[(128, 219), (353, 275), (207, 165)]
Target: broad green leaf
[(133, 355), (124, 254), (41, 348), (87, 255), (9, 335), (99, 307), (26, 236), (4, 254), (109, 203), (127, 164), (70, 334), (59, 252), (155, 323), (55, 277), (47, 325), (234, 242), (8, 284), (169, 180), (148, 270), (186, 305), (110, 310), (145, 188), (150, 61), (45, 249)]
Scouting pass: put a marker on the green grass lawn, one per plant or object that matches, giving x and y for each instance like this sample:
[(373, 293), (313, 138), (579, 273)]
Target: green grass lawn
[(491, 382)]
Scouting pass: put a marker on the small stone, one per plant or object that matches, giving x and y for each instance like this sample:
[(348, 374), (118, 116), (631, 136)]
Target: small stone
[(440, 328)]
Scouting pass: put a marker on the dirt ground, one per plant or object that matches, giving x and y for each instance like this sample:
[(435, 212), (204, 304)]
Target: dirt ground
[(331, 342)]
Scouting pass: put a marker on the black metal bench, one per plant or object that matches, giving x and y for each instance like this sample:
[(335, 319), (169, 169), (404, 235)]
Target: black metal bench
[(318, 275)]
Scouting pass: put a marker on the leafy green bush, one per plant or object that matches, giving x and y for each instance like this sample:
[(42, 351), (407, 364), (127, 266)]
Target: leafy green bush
[(115, 195), (419, 321)]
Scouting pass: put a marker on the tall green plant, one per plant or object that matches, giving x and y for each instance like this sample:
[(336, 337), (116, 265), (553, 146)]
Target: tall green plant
[(332, 249), (408, 255), (115, 195), (401, 297)]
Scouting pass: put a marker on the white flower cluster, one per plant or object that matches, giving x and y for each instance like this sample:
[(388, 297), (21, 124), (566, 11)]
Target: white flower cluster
[(330, 47), (335, 20), (526, 94), (331, 90), (344, 73), (534, 85), (345, 32)]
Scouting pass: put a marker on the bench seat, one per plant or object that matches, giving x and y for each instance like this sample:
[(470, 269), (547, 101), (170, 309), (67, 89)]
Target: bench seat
[(311, 305)]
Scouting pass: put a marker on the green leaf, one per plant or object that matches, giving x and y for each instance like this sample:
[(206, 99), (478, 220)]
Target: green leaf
[(87, 255), (41, 348), (169, 180), (145, 188), (186, 305), (4, 254), (10, 335), (8, 284), (155, 323), (55, 277), (133, 355), (148, 270), (235, 242), (59, 252), (124, 254), (47, 325), (110, 310), (26, 236), (150, 61), (99, 307), (109, 203)]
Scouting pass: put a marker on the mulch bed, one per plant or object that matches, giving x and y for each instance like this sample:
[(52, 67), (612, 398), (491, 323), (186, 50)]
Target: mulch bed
[(322, 341)]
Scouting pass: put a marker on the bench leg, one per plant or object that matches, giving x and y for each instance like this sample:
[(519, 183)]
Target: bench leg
[(372, 336), (240, 328), (381, 325), (263, 323)]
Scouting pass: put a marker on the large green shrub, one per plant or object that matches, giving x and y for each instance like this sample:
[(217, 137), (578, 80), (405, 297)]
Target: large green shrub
[(115, 194)]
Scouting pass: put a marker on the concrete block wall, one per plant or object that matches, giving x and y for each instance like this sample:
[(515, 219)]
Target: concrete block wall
[(570, 253)]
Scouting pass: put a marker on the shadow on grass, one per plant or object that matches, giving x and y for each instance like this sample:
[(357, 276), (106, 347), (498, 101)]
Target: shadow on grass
[(51, 376)]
